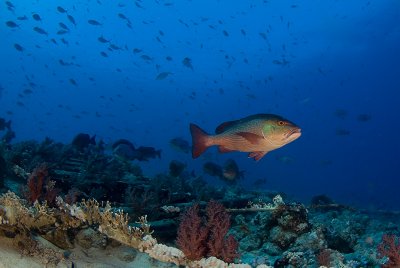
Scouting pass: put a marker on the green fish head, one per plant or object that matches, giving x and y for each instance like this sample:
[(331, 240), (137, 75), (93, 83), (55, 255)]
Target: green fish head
[(279, 131)]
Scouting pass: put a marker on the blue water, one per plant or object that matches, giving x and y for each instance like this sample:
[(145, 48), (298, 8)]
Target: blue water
[(304, 60)]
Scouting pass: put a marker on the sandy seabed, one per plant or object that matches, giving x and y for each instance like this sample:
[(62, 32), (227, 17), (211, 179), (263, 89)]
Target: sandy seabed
[(119, 256)]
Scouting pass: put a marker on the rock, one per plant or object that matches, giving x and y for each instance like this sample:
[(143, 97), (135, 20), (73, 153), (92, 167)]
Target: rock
[(88, 238), (127, 254), (59, 238), (283, 239)]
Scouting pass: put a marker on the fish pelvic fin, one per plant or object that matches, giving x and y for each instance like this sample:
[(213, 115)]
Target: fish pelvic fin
[(200, 140), (257, 155)]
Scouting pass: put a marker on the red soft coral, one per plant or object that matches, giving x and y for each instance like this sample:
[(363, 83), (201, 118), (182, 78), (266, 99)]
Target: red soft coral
[(36, 182), (192, 235), (218, 224), (39, 186), (390, 248), (197, 239)]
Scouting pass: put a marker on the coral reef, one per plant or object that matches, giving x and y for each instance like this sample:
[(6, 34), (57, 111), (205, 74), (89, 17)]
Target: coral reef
[(17, 215), (64, 205)]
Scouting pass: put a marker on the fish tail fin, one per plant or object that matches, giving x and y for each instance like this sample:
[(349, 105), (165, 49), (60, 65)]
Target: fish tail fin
[(200, 140)]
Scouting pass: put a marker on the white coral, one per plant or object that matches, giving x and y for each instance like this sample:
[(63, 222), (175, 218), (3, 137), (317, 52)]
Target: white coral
[(164, 253)]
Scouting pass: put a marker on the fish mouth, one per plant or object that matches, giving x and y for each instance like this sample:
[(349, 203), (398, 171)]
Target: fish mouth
[(295, 132)]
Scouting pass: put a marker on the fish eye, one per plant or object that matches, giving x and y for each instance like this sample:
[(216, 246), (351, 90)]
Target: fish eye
[(281, 123)]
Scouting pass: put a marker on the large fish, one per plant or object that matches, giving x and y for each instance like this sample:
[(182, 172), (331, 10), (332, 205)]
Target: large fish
[(257, 134)]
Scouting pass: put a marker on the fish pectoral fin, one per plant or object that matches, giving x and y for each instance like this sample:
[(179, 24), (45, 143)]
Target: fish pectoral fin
[(257, 155), (251, 137), (223, 149)]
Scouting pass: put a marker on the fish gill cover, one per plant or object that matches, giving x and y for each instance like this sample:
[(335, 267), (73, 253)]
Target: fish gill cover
[(124, 79)]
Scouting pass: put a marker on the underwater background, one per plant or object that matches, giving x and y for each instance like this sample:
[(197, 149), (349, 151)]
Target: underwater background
[(144, 70)]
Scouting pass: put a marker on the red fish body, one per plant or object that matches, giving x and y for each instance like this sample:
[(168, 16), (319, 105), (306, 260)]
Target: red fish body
[(257, 134)]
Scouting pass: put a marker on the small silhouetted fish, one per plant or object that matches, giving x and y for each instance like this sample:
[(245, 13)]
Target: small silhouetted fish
[(73, 82), (225, 33), (40, 30), (263, 35), (104, 54), (11, 24), (62, 31), (163, 75), (181, 145), (243, 32), (36, 17), (138, 5), (62, 25), (341, 113), (83, 140), (18, 47), (5, 124), (144, 153), (122, 16), (137, 50), (71, 19), (342, 132), (212, 169), (364, 117), (94, 22), (187, 62), (61, 9), (168, 58), (103, 40), (27, 91), (22, 18), (114, 47), (9, 4), (231, 172), (146, 58), (63, 63), (124, 149), (260, 182), (176, 168)]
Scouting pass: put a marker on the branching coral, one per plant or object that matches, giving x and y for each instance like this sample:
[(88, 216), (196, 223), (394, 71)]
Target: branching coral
[(16, 214), (198, 240), (40, 187)]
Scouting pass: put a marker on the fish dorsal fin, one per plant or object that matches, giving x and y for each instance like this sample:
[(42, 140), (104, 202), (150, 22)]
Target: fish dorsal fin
[(222, 127), (251, 137)]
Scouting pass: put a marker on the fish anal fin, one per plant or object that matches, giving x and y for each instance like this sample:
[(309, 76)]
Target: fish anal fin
[(222, 127), (251, 137), (257, 155), (223, 149)]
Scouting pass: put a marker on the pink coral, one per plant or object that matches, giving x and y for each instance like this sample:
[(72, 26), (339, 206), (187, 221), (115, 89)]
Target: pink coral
[(197, 239), (390, 248), (192, 235), (218, 224), (40, 187)]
